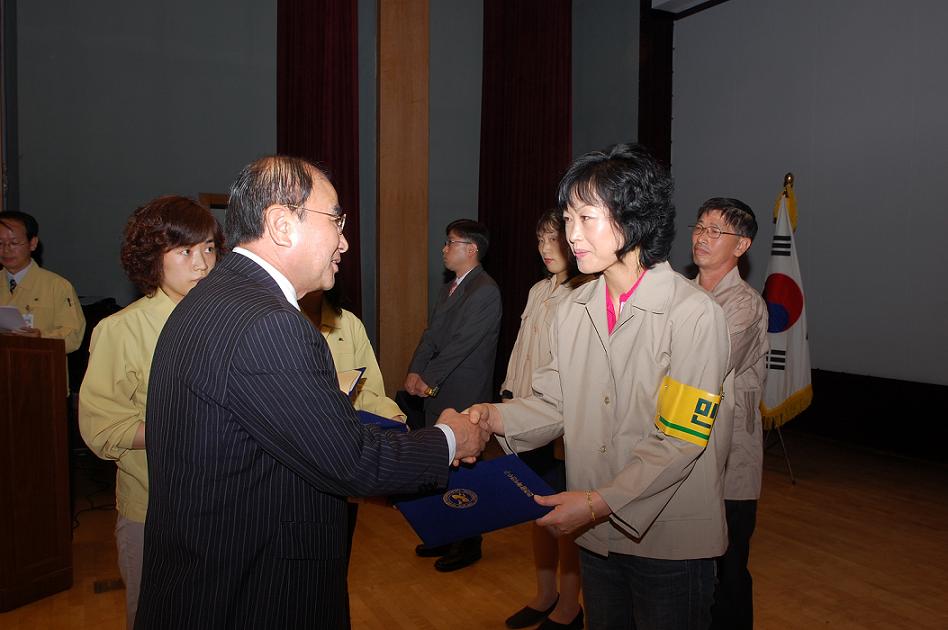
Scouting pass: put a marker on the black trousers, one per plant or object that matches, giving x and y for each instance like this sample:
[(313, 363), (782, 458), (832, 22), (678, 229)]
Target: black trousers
[(734, 594)]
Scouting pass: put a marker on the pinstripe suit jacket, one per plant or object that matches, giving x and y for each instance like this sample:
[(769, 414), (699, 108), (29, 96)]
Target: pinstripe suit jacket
[(251, 451)]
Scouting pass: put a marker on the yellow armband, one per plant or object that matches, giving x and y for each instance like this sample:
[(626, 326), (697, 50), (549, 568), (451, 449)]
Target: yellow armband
[(685, 412)]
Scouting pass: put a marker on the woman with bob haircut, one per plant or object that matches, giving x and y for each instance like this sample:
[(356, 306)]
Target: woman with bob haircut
[(556, 602), (170, 244), (633, 386)]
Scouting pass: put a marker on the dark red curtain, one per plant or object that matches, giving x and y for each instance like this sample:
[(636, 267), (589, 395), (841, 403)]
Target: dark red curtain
[(525, 141), (318, 108)]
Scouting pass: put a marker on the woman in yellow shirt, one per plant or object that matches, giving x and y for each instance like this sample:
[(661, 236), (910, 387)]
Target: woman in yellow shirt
[(169, 245), (351, 349)]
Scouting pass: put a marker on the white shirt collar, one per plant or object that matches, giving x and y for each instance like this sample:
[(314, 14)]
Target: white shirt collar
[(459, 279), (285, 285), (18, 276)]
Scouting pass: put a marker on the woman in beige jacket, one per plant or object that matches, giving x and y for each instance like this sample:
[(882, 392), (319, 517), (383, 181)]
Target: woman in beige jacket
[(553, 604), (633, 386)]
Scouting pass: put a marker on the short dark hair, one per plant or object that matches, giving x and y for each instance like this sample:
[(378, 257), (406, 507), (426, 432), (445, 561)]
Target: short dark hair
[(159, 226), (635, 189), (471, 231), (29, 223), (552, 221), (274, 179), (735, 213)]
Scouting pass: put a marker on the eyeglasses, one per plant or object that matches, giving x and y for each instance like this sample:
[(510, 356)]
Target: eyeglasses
[(450, 242), (12, 244), (714, 232), (338, 219)]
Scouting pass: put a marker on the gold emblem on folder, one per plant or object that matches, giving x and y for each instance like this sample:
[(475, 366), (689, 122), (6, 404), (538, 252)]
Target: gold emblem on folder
[(460, 498)]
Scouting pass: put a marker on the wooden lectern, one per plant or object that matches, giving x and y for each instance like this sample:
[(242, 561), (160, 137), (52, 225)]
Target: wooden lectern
[(35, 524)]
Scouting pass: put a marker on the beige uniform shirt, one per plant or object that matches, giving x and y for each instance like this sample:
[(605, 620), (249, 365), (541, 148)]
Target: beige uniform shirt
[(532, 347), (350, 348), (52, 302), (746, 314), (114, 392), (600, 392)]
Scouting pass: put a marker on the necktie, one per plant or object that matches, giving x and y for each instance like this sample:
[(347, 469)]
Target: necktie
[(12, 284), (451, 289)]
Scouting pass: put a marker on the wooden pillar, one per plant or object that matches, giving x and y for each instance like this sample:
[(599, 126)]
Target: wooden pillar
[(402, 184)]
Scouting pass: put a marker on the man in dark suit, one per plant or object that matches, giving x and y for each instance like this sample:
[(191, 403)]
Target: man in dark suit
[(252, 448), (453, 365)]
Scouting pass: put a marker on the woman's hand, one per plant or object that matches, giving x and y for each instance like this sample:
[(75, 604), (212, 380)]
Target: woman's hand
[(572, 511)]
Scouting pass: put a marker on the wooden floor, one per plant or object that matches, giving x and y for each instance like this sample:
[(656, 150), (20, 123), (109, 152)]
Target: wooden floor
[(860, 542)]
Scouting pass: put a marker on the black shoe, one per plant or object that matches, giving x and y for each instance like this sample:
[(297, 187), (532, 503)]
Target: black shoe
[(575, 624), (424, 551), (526, 616), (463, 553)]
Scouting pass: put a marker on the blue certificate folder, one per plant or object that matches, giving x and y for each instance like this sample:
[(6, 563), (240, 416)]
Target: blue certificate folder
[(481, 498), (384, 423)]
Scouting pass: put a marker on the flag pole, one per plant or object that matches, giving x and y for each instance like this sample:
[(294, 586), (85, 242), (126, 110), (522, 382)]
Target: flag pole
[(787, 192)]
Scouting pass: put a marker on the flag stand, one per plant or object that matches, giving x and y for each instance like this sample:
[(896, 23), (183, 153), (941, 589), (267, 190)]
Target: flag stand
[(788, 180), (783, 447)]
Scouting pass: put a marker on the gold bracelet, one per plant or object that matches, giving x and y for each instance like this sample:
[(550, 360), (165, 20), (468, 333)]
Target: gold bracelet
[(589, 502)]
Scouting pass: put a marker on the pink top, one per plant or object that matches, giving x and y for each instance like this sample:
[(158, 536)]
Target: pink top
[(611, 315)]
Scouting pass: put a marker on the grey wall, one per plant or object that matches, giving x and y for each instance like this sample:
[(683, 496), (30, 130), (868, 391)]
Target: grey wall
[(120, 102), (605, 73), (454, 122), (847, 95)]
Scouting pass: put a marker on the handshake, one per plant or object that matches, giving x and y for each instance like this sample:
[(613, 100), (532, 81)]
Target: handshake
[(572, 511), (472, 428)]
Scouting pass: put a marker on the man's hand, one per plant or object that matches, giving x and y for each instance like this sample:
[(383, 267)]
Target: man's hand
[(571, 511), (415, 386), (486, 415), (470, 437)]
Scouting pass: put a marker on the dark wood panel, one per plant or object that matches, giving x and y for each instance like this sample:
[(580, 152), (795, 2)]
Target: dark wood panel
[(35, 524)]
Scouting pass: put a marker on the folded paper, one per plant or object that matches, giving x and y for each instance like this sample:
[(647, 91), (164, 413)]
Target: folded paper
[(349, 379)]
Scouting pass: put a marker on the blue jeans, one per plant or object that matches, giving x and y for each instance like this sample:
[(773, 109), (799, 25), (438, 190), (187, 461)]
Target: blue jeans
[(624, 592)]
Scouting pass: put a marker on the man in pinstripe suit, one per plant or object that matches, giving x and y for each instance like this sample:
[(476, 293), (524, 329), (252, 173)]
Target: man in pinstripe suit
[(252, 448)]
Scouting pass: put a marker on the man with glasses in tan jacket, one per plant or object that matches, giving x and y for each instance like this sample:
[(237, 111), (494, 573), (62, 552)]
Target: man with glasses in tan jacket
[(724, 231)]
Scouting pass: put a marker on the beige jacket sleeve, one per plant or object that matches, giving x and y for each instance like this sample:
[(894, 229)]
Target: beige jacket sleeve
[(542, 412), (660, 463), (521, 348), (744, 316)]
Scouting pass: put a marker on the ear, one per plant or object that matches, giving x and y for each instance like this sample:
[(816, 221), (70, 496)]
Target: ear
[(743, 244), (34, 243), (278, 225)]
